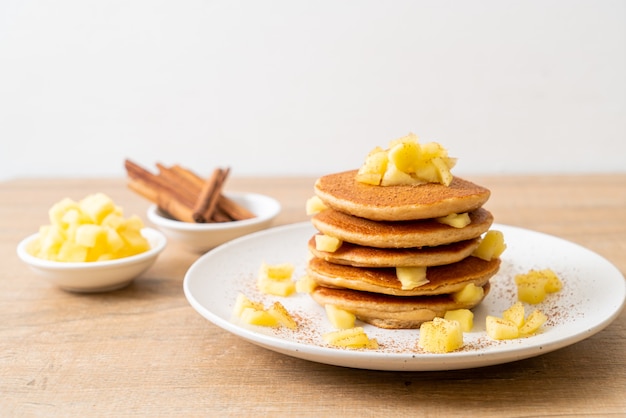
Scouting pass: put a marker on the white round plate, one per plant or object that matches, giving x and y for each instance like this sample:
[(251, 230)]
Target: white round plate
[(592, 296)]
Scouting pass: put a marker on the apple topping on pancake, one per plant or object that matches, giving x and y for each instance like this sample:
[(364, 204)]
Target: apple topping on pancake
[(406, 161)]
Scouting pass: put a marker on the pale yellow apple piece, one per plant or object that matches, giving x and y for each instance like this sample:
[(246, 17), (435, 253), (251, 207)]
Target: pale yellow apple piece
[(97, 206), (532, 293), (340, 318), (427, 173), (72, 252), (395, 177), (88, 234), (516, 314), (350, 338), (305, 284), (455, 220), (432, 150), (242, 302), (405, 156), (375, 165), (500, 328), (410, 137), (464, 317), (553, 283), (534, 321), (444, 174), (533, 286), (282, 288), (491, 246), (51, 237), (327, 243), (277, 271), (58, 210), (278, 311), (440, 335), (259, 317), (135, 242), (314, 205), (411, 277), (470, 294)]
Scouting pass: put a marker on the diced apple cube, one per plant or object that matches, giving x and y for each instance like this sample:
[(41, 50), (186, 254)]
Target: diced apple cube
[(305, 284), (470, 294), (491, 246), (440, 336), (58, 210), (350, 338), (278, 311), (500, 328), (340, 318), (314, 205), (515, 314), (411, 277), (276, 287), (242, 302), (444, 174), (259, 317), (72, 252), (404, 155), (394, 177), (88, 234), (277, 271), (327, 243), (455, 220), (534, 321), (464, 317), (97, 206), (533, 286)]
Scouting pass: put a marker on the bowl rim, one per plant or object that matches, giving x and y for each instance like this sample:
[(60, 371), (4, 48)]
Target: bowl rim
[(150, 233), (156, 215)]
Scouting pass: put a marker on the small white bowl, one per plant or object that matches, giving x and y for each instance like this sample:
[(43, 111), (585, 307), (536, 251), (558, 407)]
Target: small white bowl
[(95, 276), (201, 237)]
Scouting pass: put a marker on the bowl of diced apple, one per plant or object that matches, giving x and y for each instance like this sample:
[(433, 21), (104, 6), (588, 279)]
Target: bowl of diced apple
[(261, 210), (89, 246)]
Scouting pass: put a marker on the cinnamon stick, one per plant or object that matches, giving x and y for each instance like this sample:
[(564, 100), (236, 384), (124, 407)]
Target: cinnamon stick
[(211, 191), (184, 184), (235, 211), (184, 195)]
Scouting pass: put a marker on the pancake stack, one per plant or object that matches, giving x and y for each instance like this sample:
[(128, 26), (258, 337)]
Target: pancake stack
[(382, 228)]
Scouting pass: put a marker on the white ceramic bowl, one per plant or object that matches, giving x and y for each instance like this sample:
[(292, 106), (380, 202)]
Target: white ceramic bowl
[(95, 276), (201, 237)]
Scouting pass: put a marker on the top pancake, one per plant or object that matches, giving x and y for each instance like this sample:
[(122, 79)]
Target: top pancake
[(342, 192)]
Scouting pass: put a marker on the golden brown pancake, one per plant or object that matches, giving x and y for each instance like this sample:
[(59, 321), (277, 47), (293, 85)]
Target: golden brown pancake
[(442, 279), (342, 192), (399, 234), (391, 312), (361, 256)]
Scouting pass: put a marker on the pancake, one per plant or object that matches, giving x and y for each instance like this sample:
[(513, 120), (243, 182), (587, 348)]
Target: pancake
[(390, 312), (361, 256), (399, 234), (342, 192), (442, 279)]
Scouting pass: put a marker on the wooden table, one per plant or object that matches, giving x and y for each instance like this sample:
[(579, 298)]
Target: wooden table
[(144, 351)]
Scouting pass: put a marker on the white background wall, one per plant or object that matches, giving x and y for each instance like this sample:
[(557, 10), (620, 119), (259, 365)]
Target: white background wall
[(295, 87)]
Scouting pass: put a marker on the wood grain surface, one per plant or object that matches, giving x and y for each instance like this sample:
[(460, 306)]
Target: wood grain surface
[(143, 351)]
